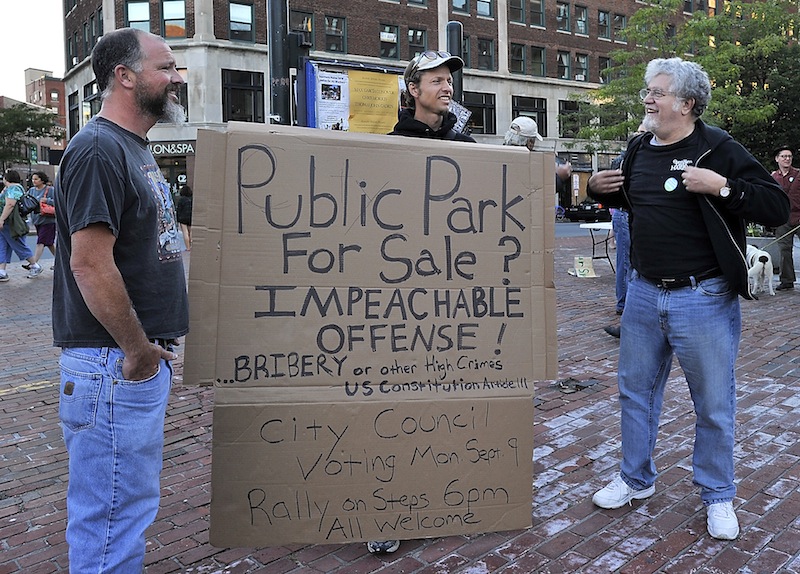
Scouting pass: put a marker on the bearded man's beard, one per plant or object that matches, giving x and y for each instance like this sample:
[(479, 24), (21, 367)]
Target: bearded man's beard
[(161, 106)]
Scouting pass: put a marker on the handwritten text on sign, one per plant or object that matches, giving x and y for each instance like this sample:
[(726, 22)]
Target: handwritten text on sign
[(390, 472), (373, 336), (374, 281)]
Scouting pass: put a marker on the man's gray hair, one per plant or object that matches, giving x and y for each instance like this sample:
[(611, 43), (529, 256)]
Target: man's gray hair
[(689, 80), (118, 47)]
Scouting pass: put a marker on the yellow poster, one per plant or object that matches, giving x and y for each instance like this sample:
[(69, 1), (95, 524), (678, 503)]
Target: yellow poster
[(374, 101)]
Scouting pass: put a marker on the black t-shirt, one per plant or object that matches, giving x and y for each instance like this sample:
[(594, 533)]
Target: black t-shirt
[(668, 235), (108, 175)]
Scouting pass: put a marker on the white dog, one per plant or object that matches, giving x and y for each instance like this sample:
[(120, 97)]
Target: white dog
[(759, 274)]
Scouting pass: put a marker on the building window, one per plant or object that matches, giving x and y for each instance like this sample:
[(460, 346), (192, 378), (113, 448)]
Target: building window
[(535, 108), (485, 54), (537, 13), (335, 34), (562, 17), (76, 43), (390, 42), (569, 121), (183, 91), (72, 57), (242, 96), (139, 15), (603, 67), (93, 30), (418, 2), (564, 68), (466, 52), (611, 115), (241, 22), (303, 22), (174, 14), (603, 24), (91, 101), (516, 58), (417, 42), (620, 22), (691, 6), (537, 65), (73, 114), (485, 8), (461, 6), (482, 120), (581, 20), (87, 39), (99, 23), (582, 67), (516, 11)]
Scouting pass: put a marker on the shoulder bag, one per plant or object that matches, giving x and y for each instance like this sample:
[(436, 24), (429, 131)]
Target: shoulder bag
[(17, 224), (45, 208), (27, 204)]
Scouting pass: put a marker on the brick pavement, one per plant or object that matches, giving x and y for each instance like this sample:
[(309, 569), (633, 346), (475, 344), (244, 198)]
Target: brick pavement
[(577, 448)]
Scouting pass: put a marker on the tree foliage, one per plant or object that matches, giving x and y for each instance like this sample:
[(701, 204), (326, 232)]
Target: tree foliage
[(20, 126), (749, 52)]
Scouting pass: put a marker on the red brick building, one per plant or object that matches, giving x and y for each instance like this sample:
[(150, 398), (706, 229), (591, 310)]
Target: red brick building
[(523, 56)]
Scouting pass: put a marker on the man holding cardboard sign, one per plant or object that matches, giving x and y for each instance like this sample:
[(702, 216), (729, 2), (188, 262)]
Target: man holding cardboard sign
[(429, 89)]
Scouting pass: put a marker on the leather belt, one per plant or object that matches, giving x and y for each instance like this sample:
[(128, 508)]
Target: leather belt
[(678, 282)]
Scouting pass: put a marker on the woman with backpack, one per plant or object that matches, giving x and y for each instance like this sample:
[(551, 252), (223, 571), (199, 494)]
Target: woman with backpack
[(44, 220), (10, 241)]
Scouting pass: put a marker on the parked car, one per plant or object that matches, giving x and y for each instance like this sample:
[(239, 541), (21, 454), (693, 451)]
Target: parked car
[(588, 210)]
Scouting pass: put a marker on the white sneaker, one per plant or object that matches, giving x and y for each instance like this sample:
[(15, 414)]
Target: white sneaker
[(722, 522), (3, 277), (35, 271), (383, 546), (617, 493)]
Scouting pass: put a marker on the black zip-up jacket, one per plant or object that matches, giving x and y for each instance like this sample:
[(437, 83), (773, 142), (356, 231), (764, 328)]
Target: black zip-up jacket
[(408, 126), (755, 197)]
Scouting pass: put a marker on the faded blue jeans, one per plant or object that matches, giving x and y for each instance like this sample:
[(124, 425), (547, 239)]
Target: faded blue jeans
[(114, 432), (622, 238), (701, 326)]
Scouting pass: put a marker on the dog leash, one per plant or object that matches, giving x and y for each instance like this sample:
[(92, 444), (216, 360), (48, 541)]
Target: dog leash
[(795, 228)]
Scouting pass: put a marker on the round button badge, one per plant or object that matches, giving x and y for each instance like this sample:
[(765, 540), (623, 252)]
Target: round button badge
[(671, 184)]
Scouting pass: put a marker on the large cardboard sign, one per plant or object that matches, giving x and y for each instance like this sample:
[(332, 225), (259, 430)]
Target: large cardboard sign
[(373, 311)]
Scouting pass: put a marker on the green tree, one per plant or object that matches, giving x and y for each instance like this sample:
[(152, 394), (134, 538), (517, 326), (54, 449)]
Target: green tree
[(20, 125), (749, 52), (608, 114)]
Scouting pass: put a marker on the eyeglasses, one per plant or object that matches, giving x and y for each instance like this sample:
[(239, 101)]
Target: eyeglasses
[(433, 54), (428, 55), (785, 156), (656, 94)]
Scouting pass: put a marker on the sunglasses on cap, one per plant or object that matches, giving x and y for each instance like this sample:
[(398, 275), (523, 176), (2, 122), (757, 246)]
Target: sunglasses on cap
[(426, 55)]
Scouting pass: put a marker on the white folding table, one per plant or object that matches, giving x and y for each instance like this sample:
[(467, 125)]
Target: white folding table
[(600, 239)]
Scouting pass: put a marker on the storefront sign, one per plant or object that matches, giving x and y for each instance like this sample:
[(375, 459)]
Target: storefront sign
[(172, 148)]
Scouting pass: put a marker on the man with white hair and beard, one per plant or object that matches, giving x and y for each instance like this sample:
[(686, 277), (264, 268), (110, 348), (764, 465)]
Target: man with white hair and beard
[(690, 189), (119, 303)]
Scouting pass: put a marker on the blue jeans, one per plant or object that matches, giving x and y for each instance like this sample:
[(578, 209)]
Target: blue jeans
[(701, 325), (9, 245), (114, 432), (622, 237)]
